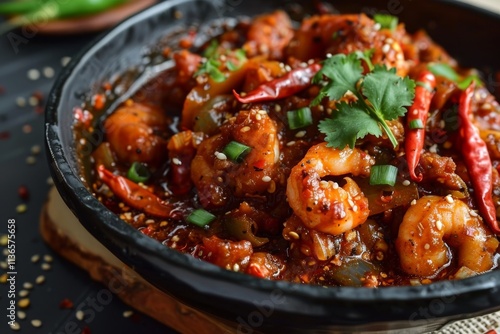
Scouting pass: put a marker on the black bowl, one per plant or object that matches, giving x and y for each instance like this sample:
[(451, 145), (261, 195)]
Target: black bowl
[(252, 304)]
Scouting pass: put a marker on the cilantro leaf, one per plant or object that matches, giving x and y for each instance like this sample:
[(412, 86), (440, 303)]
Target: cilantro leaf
[(366, 56), (388, 93), (347, 124), (344, 72)]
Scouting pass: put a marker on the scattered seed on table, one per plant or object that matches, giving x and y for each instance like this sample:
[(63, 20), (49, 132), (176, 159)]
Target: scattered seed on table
[(28, 285), (48, 72), (15, 326), (79, 315), (21, 315), (35, 258), (5, 251), (40, 279), (65, 61), (24, 293), (30, 160), (33, 101), (4, 240), (3, 278), (23, 303), (21, 208), (47, 258), (21, 101), (36, 323), (4, 265), (128, 313), (46, 266), (33, 74)]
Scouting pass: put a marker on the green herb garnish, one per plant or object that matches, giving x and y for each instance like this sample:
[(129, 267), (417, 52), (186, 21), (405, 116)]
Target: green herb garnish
[(211, 68), (138, 172), (445, 70), (383, 174), (386, 21), (200, 217), (381, 95)]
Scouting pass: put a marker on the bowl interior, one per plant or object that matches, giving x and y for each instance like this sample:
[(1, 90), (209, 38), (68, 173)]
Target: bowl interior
[(130, 48)]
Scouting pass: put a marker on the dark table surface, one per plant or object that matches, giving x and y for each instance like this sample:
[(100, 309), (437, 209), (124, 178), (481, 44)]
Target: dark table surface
[(29, 64)]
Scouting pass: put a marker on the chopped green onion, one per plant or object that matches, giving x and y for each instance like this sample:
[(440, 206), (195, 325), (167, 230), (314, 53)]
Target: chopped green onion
[(240, 54), (383, 174), (200, 217), (416, 124), (299, 118), (236, 151), (386, 21), (445, 70), (138, 173), (231, 66), (211, 50)]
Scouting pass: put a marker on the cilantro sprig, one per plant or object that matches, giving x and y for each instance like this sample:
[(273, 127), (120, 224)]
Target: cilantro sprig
[(445, 70), (381, 95)]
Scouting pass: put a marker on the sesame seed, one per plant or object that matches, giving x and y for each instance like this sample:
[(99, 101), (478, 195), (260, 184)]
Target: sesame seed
[(266, 178), (21, 315), (406, 183), (36, 149), (277, 108), (35, 258), (262, 112), (21, 208), (290, 143), (23, 293), (350, 236), (449, 199), (65, 61), (175, 238), (149, 221), (33, 101), (258, 117), (220, 156), (300, 134), (413, 202), (36, 323), (4, 240), (176, 161), (4, 265), (46, 266), (377, 26), (128, 313), (323, 184), (33, 74), (473, 213), (294, 235), (427, 246), (47, 258), (79, 315), (40, 279), (433, 148), (328, 55), (30, 160), (236, 267), (48, 72), (245, 129), (163, 223), (386, 48), (5, 250), (15, 326), (288, 68), (355, 208), (27, 285), (23, 303), (439, 225), (21, 101), (335, 185)]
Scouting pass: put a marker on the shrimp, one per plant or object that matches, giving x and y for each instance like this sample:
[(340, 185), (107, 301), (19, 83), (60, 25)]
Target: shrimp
[(132, 132), (323, 34), (432, 226), (324, 205), (216, 178)]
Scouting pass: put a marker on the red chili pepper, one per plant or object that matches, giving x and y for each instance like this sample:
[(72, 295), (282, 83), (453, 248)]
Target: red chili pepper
[(414, 142), (477, 160), (285, 86), (136, 196)]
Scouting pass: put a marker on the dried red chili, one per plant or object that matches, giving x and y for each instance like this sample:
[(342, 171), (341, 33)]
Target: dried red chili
[(477, 160), (285, 86), (418, 112), (136, 196)]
